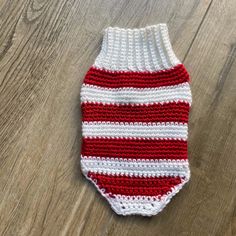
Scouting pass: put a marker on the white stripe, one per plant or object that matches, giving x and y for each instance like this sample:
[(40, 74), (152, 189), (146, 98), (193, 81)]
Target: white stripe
[(134, 167), (135, 130), (92, 93), (136, 160)]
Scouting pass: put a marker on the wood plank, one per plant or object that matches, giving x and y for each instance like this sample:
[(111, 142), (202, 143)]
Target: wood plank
[(45, 49)]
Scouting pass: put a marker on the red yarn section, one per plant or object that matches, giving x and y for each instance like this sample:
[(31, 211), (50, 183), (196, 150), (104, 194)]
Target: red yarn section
[(168, 112), (135, 148), (173, 76), (135, 186)]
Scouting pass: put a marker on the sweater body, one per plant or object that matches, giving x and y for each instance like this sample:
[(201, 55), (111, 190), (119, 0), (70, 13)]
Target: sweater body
[(135, 102)]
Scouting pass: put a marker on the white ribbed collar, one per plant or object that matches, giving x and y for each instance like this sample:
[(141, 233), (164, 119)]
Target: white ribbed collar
[(138, 49)]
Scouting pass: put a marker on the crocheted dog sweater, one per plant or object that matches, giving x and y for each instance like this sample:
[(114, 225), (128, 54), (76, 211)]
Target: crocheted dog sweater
[(135, 102)]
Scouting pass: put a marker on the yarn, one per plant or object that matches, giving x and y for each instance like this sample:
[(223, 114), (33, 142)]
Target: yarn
[(135, 102)]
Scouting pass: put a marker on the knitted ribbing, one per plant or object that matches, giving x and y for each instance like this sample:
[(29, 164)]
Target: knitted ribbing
[(135, 102), (145, 49)]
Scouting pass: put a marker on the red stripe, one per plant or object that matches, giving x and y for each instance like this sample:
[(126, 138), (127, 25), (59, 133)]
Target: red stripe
[(99, 77), (168, 112), (133, 186), (135, 148)]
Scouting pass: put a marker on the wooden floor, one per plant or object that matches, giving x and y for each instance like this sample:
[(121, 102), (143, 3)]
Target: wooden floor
[(46, 47)]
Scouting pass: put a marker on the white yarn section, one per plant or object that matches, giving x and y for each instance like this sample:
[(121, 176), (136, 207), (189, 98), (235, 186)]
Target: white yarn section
[(92, 93), (143, 49), (140, 205), (145, 168), (170, 130)]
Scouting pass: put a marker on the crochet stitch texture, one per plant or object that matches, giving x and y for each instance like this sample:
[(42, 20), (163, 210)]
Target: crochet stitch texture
[(135, 102)]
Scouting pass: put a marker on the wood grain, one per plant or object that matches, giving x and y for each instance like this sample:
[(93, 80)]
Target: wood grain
[(46, 47)]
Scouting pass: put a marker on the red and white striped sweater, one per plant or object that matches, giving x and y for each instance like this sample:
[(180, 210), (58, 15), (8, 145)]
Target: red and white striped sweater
[(135, 103)]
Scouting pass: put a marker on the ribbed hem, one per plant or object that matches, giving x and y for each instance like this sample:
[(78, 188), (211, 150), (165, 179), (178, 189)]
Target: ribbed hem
[(143, 49)]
